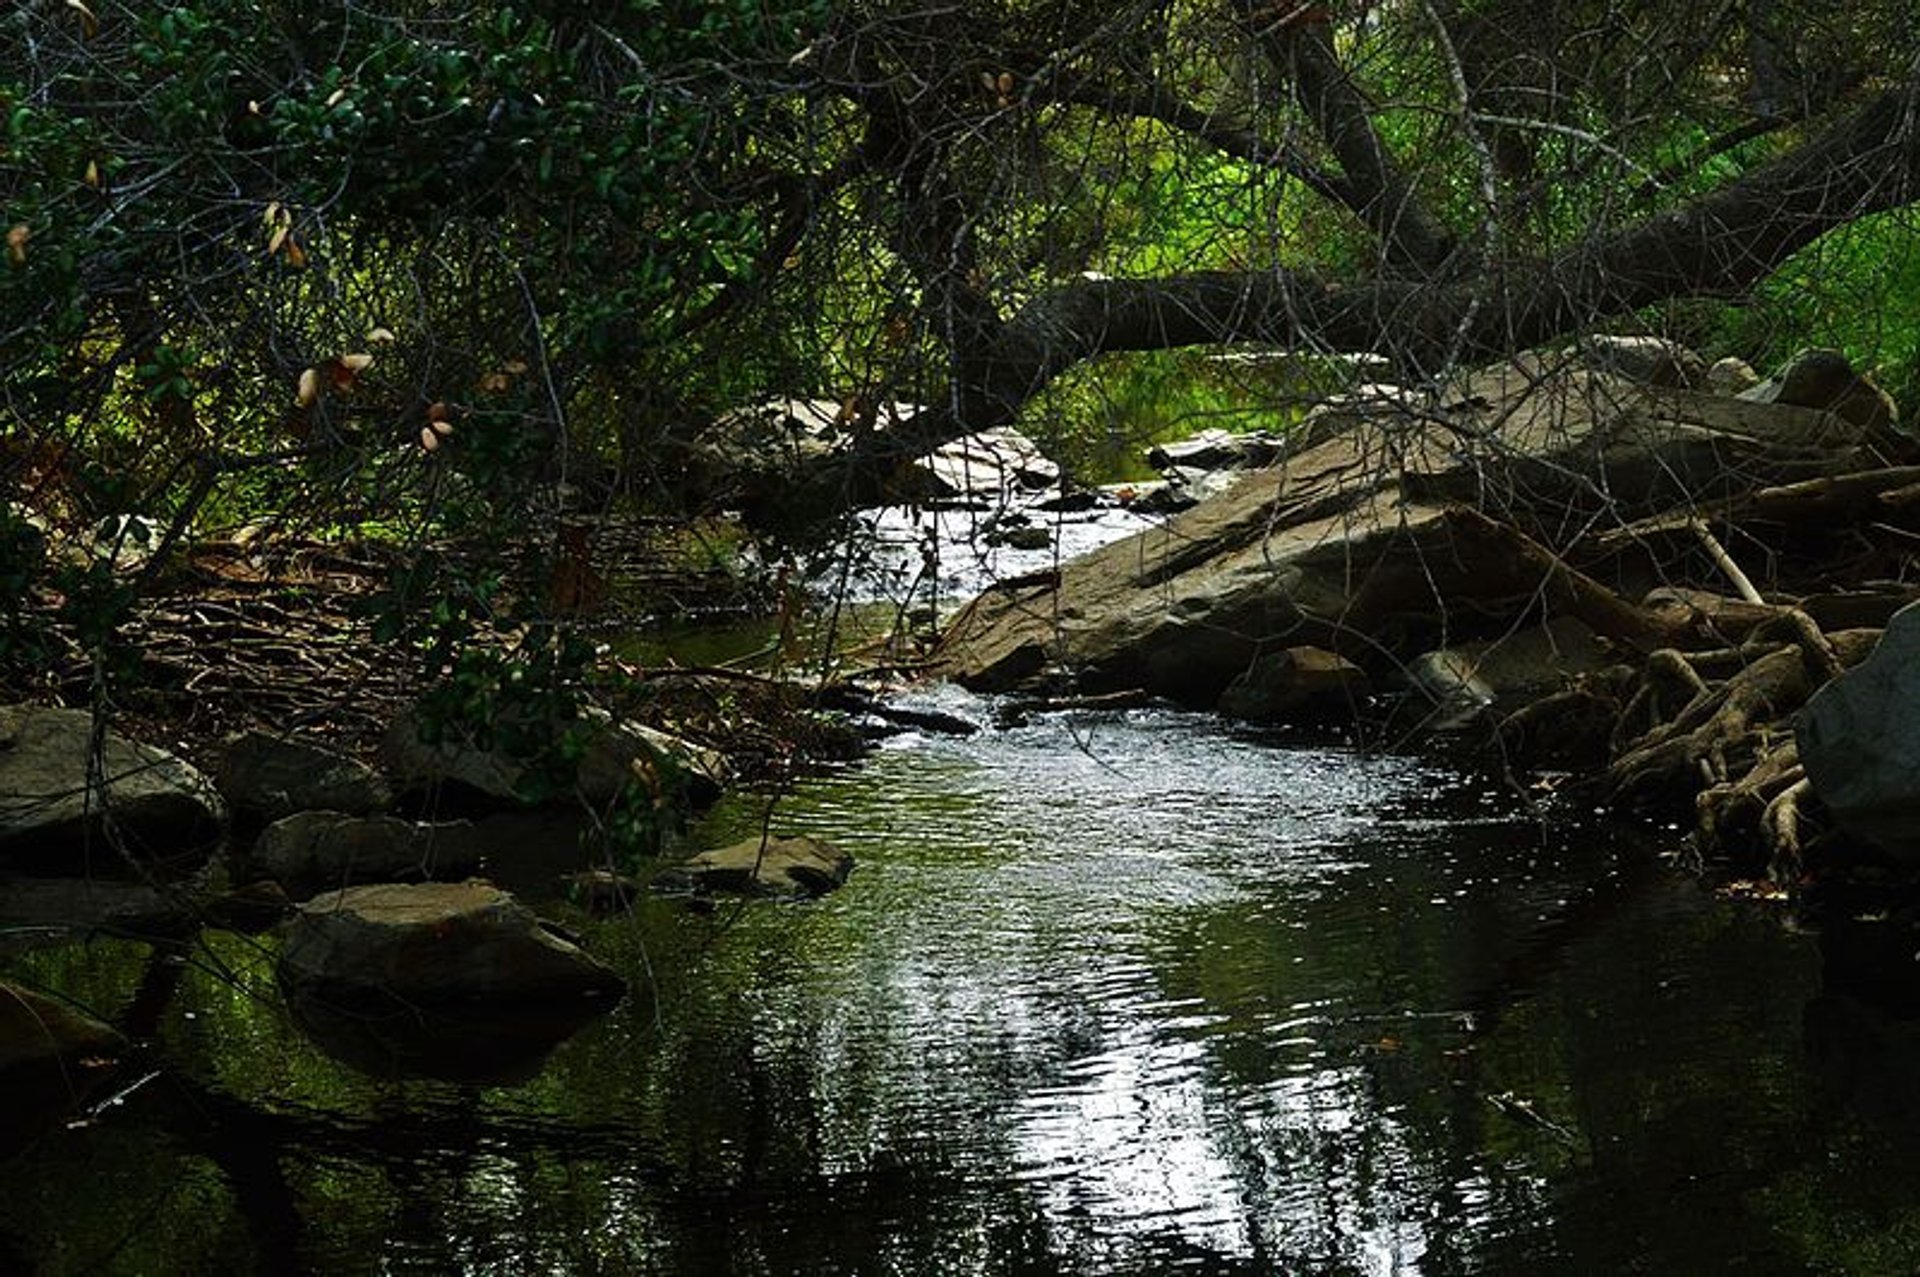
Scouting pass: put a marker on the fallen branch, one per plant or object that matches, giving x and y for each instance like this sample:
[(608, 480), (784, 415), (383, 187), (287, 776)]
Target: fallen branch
[(1724, 561), (1502, 549)]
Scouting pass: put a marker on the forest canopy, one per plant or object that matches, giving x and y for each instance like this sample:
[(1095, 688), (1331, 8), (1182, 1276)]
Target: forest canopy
[(277, 258)]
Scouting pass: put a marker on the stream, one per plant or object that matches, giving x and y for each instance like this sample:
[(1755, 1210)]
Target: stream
[(1108, 992)]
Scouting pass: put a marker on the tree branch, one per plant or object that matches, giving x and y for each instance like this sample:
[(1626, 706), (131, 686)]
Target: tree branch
[(1301, 41), (1724, 242), (1155, 101)]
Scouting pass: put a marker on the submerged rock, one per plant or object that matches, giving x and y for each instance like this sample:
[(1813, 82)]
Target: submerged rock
[(1299, 684), (314, 849), (1218, 450), (37, 1032), (53, 811), (1859, 740), (51, 1057), (465, 946), (600, 891), (787, 867), (394, 1042), (1018, 533)]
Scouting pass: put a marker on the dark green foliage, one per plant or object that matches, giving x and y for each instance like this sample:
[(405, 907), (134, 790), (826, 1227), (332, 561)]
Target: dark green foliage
[(1857, 290), (408, 270)]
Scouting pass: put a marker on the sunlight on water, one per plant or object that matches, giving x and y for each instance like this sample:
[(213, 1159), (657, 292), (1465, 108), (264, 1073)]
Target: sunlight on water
[(1120, 992), (945, 556), (1016, 897)]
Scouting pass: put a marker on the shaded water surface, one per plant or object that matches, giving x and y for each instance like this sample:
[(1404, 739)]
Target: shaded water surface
[(1121, 993)]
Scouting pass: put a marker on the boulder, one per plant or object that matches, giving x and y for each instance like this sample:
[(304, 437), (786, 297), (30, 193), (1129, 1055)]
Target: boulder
[(1826, 380), (1462, 682), (465, 946), (1297, 684), (313, 849), (777, 431), (700, 774), (55, 909), (251, 908), (994, 464), (759, 448), (52, 813), (1357, 542), (792, 868), (265, 777), (613, 754), (1859, 739), (1447, 680), (1652, 361), (1731, 376)]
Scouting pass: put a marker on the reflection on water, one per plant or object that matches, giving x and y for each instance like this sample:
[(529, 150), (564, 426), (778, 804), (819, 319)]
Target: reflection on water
[(1107, 993)]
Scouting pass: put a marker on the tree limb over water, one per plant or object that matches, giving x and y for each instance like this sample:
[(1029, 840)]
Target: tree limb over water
[(1468, 309)]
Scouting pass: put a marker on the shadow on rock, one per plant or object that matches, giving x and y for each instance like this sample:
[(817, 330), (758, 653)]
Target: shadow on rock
[(1863, 1031)]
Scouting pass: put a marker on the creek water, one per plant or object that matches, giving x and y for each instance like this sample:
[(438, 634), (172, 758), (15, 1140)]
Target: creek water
[(1122, 992)]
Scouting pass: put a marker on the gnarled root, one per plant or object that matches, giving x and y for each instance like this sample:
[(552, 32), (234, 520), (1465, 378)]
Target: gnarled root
[(1714, 737), (1781, 830), (1668, 683), (1729, 815)]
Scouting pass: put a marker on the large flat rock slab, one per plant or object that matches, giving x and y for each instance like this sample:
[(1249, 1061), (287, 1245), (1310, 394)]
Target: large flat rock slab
[(1390, 516)]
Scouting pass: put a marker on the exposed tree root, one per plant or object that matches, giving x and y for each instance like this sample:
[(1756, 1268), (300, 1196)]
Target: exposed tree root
[(1504, 552), (1715, 728), (1730, 815), (1780, 831), (1668, 683)]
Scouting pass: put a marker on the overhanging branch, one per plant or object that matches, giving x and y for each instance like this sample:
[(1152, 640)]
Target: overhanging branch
[(1724, 242)]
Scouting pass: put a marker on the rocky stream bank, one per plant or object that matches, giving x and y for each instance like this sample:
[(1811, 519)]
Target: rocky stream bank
[(1614, 570)]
